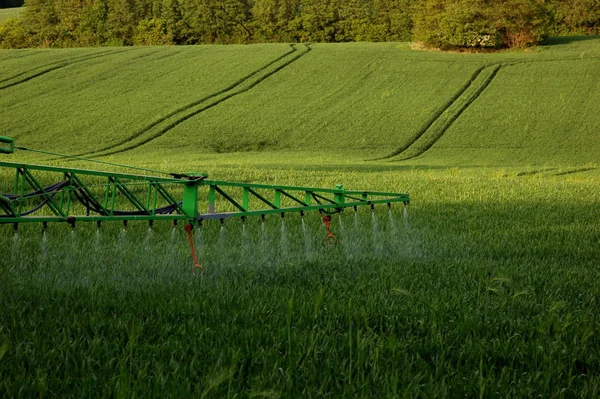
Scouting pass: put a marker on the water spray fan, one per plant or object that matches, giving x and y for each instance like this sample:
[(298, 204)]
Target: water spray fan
[(45, 194)]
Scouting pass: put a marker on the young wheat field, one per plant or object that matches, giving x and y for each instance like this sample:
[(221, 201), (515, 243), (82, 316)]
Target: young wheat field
[(486, 285), (11, 13)]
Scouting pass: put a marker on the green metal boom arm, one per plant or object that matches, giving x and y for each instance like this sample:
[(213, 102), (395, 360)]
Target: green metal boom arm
[(299, 199), (88, 195)]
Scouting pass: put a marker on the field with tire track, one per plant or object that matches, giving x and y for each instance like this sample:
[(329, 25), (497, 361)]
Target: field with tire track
[(376, 101), (487, 286)]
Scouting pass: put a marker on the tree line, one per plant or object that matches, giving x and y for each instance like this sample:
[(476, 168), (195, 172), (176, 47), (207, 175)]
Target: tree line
[(436, 23)]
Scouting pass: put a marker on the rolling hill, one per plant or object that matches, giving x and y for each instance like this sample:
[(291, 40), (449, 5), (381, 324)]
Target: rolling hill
[(486, 285), (355, 101), (10, 13)]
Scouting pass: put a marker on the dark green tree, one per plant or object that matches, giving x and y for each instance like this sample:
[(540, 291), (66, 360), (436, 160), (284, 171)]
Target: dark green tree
[(317, 21), (209, 21), (121, 21), (481, 24), (272, 20), (576, 17), (449, 24), (93, 29), (393, 20)]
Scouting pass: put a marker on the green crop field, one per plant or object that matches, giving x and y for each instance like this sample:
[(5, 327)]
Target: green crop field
[(347, 101), (486, 286), (10, 13)]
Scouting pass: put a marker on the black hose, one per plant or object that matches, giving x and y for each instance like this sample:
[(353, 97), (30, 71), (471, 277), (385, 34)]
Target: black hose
[(90, 204)]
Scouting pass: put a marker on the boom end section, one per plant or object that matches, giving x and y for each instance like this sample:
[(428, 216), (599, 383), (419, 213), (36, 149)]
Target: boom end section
[(7, 145)]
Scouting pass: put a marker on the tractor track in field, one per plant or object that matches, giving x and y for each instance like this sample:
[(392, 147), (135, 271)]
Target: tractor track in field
[(47, 68), (171, 53), (535, 172), (25, 54), (552, 172), (578, 170), (156, 51), (435, 127), (54, 63), (163, 125)]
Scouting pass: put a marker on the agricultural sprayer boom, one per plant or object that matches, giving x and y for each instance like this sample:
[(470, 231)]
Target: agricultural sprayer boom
[(45, 194)]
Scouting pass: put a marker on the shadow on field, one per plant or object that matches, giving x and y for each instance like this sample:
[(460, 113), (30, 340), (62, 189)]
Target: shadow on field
[(561, 40), (366, 168), (505, 280)]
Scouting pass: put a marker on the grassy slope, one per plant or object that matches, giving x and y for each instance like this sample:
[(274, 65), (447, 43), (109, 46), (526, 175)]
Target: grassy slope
[(347, 97), (491, 288), (87, 99), (375, 99), (345, 101), (10, 13), (541, 112)]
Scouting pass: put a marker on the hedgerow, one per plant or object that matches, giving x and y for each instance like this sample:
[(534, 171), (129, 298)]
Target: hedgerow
[(448, 24), (476, 24)]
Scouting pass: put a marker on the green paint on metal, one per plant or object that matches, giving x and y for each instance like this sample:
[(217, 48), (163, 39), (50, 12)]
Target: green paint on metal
[(339, 197), (7, 145), (246, 198), (6, 206), (190, 199), (277, 200), (307, 198), (89, 195)]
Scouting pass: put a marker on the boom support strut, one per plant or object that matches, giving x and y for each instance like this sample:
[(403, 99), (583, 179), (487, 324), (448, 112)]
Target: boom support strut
[(53, 194), (87, 195)]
